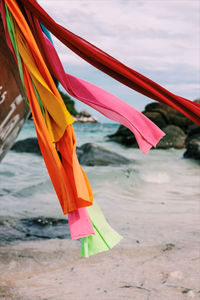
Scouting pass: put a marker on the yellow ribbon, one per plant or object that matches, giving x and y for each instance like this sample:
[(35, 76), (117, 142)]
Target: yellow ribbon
[(57, 116)]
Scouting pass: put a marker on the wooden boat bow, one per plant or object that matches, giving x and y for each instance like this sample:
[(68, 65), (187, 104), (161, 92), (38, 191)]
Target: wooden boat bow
[(13, 106)]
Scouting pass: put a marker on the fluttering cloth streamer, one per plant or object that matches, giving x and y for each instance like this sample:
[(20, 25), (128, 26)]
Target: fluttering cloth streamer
[(70, 182), (69, 161), (104, 238), (71, 185), (79, 222), (77, 186), (146, 132), (38, 62), (113, 67)]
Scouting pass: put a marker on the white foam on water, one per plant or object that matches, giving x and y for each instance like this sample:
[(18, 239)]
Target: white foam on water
[(155, 177)]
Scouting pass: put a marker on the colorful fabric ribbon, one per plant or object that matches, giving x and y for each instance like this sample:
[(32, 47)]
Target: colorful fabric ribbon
[(146, 132), (54, 130), (39, 65)]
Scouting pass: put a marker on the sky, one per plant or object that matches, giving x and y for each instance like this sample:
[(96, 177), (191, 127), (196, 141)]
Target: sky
[(158, 38)]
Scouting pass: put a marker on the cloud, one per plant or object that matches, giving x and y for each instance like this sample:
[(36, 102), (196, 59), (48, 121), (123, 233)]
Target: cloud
[(153, 33), (160, 39), (180, 88)]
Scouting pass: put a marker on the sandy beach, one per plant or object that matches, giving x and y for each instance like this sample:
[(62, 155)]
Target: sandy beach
[(159, 272), (158, 259)]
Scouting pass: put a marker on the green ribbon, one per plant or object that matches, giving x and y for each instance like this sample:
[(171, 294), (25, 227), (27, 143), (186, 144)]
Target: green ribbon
[(11, 30), (105, 236)]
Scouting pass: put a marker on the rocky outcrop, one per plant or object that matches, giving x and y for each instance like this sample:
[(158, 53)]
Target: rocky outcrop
[(163, 115), (94, 155), (123, 136), (29, 145), (193, 143), (88, 154), (84, 117), (176, 126), (175, 137), (33, 229), (194, 133), (193, 149)]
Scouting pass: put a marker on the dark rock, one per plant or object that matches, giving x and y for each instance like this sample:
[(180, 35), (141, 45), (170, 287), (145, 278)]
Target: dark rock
[(29, 145), (123, 136), (94, 155), (193, 149), (88, 154), (193, 143), (194, 133), (175, 137), (44, 228), (181, 121), (157, 117), (169, 114), (164, 117), (155, 106), (33, 229)]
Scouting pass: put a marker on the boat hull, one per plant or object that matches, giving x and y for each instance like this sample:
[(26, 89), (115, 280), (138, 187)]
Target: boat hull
[(13, 106)]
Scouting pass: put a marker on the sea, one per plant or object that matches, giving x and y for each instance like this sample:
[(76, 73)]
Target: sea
[(152, 189)]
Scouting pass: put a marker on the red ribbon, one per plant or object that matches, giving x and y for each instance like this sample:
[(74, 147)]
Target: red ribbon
[(113, 67)]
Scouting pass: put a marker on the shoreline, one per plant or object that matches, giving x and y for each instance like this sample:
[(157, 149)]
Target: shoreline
[(153, 203)]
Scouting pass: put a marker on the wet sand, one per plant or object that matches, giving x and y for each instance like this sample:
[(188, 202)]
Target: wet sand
[(53, 270)]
